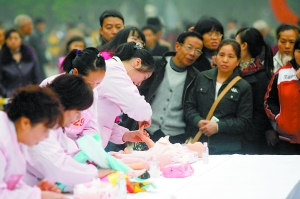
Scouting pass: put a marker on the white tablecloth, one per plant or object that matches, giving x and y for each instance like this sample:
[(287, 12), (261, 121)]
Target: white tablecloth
[(233, 176)]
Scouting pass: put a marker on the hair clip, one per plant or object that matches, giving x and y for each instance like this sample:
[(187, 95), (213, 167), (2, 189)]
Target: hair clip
[(138, 46), (71, 72), (99, 55), (78, 51)]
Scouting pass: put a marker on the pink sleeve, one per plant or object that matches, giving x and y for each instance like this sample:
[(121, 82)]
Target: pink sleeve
[(92, 127), (117, 134), (21, 190), (60, 61), (87, 124), (119, 89), (50, 160)]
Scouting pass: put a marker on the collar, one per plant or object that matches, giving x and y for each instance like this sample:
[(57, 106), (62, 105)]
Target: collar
[(212, 74), (246, 64), (175, 67), (117, 59)]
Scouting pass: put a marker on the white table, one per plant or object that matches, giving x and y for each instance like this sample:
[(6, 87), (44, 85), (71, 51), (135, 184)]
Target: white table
[(233, 176)]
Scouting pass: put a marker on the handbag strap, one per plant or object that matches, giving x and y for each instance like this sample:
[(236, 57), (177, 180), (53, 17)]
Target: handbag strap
[(215, 104)]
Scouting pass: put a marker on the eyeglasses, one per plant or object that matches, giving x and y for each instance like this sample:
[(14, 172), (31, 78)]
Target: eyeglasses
[(217, 35), (190, 48)]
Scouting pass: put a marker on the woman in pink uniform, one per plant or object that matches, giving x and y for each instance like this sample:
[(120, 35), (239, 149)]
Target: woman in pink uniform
[(53, 157), (118, 92), (28, 118), (91, 67)]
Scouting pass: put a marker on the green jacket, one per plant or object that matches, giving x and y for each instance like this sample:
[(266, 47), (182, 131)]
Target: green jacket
[(234, 111)]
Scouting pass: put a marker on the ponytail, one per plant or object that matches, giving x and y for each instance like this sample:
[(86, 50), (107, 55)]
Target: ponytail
[(269, 66), (130, 50), (67, 63), (256, 44), (84, 61)]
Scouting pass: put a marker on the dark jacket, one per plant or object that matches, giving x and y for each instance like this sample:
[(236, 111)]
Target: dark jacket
[(150, 86), (202, 63), (158, 50), (39, 45), (234, 111), (259, 81), (14, 75)]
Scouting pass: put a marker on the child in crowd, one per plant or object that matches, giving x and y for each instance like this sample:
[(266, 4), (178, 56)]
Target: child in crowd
[(76, 42)]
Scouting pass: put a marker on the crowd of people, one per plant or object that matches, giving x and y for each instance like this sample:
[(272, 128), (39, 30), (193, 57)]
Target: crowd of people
[(237, 89)]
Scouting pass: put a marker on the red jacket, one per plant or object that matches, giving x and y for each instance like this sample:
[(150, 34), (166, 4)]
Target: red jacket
[(282, 102)]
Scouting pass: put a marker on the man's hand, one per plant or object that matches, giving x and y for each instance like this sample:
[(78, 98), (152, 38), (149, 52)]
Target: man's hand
[(271, 137), (298, 73)]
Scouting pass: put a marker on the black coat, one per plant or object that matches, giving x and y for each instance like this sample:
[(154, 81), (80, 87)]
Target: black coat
[(158, 50), (14, 75), (234, 111)]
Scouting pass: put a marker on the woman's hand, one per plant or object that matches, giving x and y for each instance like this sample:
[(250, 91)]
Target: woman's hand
[(213, 63), (191, 29), (146, 124), (134, 136), (104, 172), (45, 185), (52, 195), (208, 127)]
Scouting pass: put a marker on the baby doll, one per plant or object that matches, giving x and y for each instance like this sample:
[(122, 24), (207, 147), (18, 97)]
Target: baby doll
[(166, 153)]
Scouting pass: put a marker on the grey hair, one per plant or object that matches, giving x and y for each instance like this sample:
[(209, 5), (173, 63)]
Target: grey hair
[(260, 25), (21, 19)]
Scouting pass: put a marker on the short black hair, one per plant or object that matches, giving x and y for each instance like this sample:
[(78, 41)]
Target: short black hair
[(39, 20), (150, 27), (110, 13), (38, 104), (284, 27), (121, 37), (72, 91), (155, 21), (207, 24), (235, 45), (71, 40), (297, 44), (9, 32), (181, 38)]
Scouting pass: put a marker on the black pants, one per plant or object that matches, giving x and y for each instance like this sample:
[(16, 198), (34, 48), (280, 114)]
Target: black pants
[(173, 139), (287, 148)]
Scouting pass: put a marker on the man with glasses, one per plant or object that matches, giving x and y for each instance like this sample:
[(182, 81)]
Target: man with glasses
[(168, 88)]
